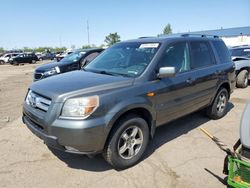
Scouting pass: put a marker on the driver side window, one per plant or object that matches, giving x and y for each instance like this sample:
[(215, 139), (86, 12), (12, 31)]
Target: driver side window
[(176, 55)]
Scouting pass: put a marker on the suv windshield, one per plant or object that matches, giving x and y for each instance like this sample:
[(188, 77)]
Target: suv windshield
[(73, 56), (127, 59)]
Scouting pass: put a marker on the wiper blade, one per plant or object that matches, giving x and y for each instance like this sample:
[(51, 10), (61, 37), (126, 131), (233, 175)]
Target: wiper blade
[(106, 72), (113, 73)]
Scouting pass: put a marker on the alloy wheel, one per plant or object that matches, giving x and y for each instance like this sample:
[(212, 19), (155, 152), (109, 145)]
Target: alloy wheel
[(130, 142)]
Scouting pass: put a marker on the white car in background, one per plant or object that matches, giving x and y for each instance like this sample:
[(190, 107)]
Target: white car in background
[(6, 57)]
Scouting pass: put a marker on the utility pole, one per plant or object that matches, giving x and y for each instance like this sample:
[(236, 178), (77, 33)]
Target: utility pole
[(88, 31), (60, 41)]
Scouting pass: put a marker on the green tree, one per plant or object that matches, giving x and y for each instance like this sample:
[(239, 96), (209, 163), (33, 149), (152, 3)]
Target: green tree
[(1, 50), (88, 46), (167, 30), (59, 49), (27, 49), (112, 38)]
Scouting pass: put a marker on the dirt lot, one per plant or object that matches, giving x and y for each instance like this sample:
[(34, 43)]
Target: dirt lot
[(179, 156)]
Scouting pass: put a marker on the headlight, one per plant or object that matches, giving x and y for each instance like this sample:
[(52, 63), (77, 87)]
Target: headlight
[(55, 70), (28, 98), (80, 107)]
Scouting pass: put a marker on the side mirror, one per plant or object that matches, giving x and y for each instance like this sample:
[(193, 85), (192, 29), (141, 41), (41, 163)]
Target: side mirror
[(166, 72)]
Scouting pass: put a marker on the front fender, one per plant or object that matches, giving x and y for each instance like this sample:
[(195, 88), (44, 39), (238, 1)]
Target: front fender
[(129, 104), (242, 64)]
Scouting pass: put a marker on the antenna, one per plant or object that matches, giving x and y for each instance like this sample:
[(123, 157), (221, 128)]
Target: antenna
[(88, 30)]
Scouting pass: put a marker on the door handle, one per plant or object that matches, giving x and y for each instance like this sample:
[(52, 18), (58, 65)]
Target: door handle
[(190, 81), (218, 72)]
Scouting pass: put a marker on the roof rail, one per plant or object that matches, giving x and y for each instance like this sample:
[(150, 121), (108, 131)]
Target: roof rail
[(145, 37), (244, 45), (198, 35)]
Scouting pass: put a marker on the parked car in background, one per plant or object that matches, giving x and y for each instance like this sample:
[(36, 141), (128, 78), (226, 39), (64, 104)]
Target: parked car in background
[(240, 51), (74, 61), (23, 58), (242, 71), (57, 54), (6, 57), (46, 56), (115, 103), (38, 54), (62, 55)]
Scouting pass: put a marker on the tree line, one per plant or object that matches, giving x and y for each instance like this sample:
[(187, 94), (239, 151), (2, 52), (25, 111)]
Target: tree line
[(110, 39)]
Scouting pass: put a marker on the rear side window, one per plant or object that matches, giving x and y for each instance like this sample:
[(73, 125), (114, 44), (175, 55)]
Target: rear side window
[(201, 55), (222, 51)]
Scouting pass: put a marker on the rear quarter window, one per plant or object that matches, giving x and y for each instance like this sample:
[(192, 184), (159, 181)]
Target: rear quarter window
[(201, 54), (222, 51)]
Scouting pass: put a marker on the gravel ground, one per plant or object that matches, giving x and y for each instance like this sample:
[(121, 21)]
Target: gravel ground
[(179, 156)]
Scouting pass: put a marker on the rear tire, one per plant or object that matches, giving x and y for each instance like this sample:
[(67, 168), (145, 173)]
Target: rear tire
[(2, 62), (127, 142), (33, 61), (242, 79), (218, 108)]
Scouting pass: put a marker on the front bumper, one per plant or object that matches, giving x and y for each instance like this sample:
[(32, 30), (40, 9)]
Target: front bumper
[(73, 136), (48, 140)]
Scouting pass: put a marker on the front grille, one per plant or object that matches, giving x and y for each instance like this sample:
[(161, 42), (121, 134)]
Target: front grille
[(37, 101), (38, 76), (35, 125)]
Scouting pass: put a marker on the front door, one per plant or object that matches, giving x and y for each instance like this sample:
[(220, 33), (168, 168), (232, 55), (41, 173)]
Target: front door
[(175, 94)]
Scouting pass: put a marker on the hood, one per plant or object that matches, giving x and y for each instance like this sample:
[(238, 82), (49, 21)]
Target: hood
[(76, 83), (48, 66)]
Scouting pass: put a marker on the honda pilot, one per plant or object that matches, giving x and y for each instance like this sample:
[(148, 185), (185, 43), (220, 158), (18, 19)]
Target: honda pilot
[(114, 104)]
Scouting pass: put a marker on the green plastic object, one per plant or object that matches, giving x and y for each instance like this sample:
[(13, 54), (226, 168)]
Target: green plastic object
[(239, 173)]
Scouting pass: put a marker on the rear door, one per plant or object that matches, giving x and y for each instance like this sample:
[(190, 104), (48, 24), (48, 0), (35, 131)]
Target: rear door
[(206, 75)]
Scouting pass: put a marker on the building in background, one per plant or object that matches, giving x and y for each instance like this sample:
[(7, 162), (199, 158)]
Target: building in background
[(236, 36)]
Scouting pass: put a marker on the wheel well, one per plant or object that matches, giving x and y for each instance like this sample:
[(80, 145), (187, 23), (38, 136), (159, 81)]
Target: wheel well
[(142, 112), (244, 68), (227, 87)]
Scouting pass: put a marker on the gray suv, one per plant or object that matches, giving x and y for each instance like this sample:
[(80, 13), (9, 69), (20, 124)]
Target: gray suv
[(115, 103)]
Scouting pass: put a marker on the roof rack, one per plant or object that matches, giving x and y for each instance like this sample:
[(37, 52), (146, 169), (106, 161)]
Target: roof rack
[(145, 37), (198, 35), (244, 45)]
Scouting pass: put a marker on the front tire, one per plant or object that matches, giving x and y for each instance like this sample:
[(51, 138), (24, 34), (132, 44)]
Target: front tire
[(242, 79), (218, 108), (2, 62), (127, 142)]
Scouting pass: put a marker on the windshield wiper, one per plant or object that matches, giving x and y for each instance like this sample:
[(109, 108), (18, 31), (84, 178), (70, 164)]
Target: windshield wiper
[(106, 72)]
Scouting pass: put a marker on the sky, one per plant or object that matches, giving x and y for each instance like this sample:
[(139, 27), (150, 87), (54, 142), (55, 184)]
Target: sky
[(56, 23)]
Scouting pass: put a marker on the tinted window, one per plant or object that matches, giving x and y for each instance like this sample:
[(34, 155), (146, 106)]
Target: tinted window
[(222, 51), (176, 55), (201, 55), (91, 56)]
